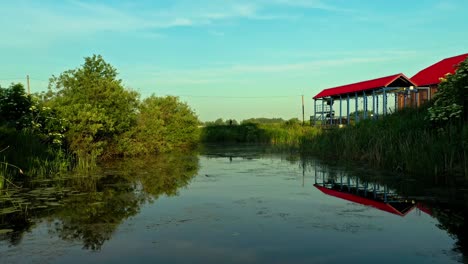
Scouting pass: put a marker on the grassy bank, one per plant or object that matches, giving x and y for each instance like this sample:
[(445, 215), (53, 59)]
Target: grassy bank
[(403, 141), (278, 134), (24, 155)]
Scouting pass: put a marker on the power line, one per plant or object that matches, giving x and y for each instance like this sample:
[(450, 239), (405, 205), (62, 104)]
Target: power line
[(237, 97)]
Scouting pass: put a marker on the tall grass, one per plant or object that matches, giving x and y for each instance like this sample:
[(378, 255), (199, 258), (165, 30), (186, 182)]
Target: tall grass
[(30, 156), (403, 141), (278, 134)]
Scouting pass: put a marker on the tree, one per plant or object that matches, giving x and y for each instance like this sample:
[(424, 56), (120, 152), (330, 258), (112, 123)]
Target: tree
[(15, 105), (163, 124), (95, 105), (451, 100)]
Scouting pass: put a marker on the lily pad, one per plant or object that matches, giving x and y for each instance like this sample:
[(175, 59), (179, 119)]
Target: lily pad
[(8, 210), (5, 231)]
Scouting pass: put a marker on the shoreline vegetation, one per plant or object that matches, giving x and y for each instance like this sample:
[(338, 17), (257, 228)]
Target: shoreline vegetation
[(88, 116)]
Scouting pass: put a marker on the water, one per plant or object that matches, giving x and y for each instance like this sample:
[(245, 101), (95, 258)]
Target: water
[(230, 205)]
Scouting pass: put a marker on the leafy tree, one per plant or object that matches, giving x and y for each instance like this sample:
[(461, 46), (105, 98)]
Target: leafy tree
[(451, 100), (163, 124), (263, 120), (95, 104), (15, 105), (219, 122)]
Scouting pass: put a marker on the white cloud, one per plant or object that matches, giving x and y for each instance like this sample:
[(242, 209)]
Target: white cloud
[(76, 18)]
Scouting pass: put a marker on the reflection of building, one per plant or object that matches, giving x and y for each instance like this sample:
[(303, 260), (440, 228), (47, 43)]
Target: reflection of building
[(377, 97), (368, 194)]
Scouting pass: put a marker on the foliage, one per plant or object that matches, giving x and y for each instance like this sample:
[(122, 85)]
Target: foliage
[(163, 124), (95, 105), (14, 106), (220, 121), (263, 120), (400, 141), (26, 151), (287, 134), (451, 100)]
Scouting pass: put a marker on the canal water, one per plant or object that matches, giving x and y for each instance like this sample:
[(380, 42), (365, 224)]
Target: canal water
[(232, 205)]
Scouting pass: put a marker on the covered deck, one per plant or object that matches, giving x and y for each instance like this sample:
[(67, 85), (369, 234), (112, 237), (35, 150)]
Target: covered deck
[(365, 100)]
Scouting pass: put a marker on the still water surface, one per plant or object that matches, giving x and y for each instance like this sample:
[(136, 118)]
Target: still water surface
[(226, 205)]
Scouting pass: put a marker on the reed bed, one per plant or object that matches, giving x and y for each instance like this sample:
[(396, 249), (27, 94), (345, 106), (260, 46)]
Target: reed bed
[(278, 134), (403, 141)]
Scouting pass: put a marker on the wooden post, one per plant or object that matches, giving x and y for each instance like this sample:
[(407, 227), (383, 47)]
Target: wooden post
[(303, 110), (347, 109), (341, 114), (27, 84)]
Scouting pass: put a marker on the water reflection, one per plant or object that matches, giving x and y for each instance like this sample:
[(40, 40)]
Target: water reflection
[(369, 194), (246, 204), (89, 209), (398, 194)]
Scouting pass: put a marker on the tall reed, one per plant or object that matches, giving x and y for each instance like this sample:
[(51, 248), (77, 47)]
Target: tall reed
[(35, 158), (278, 134), (403, 141)]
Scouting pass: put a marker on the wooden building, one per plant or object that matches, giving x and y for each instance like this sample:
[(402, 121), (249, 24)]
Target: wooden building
[(427, 81), (368, 100), (377, 97)]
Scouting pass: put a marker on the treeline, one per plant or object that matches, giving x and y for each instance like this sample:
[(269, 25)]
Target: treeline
[(284, 135), (86, 115), (258, 120)]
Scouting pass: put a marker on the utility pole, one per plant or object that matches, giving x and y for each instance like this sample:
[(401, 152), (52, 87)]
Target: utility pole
[(27, 83), (302, 110)]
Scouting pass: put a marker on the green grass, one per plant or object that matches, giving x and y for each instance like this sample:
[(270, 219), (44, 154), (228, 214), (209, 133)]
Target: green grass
[(287, 135), (402, 141), (25, 156)]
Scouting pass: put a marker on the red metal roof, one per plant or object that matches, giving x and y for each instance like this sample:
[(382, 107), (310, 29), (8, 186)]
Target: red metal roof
[(363, 86), (431, 74), (364, 201)]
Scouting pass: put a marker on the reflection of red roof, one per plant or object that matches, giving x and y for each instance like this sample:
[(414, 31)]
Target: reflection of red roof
[(361, 200), (431, 74), (424, 208), (365, 85)]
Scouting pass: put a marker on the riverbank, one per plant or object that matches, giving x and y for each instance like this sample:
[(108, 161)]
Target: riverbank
[(402, 142), (284, 135)]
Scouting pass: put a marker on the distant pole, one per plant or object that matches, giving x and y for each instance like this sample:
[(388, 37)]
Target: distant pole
[(303, 110), (27, 83)]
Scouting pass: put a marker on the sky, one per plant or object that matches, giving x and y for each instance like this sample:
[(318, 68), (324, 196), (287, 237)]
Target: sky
[(231, 59)]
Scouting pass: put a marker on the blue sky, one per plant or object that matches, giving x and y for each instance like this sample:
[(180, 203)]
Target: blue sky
[(231, 59)]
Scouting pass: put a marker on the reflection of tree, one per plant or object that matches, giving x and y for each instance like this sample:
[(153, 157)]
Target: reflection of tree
[(163, 174), (93, 217), (94, 207), (452, 218), (19, 223)]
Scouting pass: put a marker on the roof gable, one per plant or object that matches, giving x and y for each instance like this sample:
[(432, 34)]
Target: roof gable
[(432, 74), (396, 79)]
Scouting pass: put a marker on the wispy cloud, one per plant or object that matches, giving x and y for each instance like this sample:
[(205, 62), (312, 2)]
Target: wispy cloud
[(313, 4), (77, 18), (246, 73), (445, 5)]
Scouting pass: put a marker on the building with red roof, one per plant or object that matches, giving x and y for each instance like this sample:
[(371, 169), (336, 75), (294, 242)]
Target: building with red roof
[(373, 97), (431, 75)]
